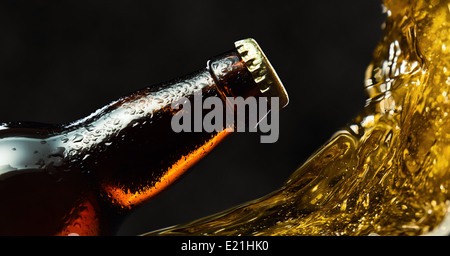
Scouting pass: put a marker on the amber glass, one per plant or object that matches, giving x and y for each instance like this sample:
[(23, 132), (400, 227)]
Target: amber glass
[(80, 178)]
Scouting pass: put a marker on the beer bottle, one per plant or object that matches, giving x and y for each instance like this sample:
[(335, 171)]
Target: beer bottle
[(79, 178)]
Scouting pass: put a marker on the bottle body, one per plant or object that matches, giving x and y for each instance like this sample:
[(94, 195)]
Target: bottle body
[(81, 177)]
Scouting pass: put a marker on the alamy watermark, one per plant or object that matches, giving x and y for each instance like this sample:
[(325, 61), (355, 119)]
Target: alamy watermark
[(240, 114)]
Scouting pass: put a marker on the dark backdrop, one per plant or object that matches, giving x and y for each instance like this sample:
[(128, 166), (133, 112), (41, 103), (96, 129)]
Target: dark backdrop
[(60, 61)]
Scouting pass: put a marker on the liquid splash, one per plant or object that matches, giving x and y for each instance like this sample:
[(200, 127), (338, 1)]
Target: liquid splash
[(387, 172)]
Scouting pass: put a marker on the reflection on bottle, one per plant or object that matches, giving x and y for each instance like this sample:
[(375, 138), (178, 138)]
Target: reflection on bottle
[(387, 172)]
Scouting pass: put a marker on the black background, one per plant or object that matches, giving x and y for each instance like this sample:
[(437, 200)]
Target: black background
[(60, 61)]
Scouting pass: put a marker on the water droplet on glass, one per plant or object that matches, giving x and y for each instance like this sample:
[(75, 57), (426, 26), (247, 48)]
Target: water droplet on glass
[(98, 132), (158, 100), (77, 138), (57, 152)]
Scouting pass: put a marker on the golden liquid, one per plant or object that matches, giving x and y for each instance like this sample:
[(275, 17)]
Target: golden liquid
[(388, 171)]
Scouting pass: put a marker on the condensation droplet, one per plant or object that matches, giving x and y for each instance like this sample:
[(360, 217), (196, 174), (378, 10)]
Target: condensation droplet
[(158, 100), (77, 138), (98, 132)]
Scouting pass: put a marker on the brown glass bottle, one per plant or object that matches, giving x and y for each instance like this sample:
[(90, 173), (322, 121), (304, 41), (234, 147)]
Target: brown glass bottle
[(79, 178)]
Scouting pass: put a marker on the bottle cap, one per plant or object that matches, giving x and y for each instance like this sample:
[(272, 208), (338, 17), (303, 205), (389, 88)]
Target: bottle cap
[(262, 71)]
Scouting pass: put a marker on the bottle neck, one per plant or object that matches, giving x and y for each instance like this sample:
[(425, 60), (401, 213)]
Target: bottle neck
[(232, 76), (142, 108), (225, 76)]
